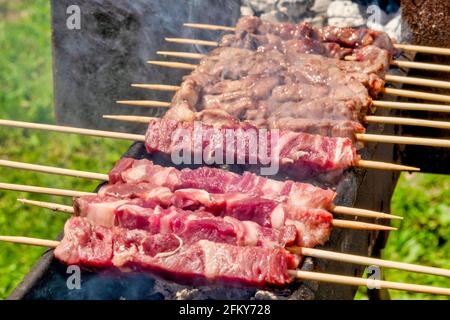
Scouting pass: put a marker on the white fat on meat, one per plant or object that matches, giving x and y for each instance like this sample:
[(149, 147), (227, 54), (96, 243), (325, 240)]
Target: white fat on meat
[(136, 173), (200, 196), (278, 216), (247, 231), (103, 213), (163, 194)]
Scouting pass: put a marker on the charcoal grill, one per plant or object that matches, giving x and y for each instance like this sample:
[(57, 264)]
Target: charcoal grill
[(360, 188)]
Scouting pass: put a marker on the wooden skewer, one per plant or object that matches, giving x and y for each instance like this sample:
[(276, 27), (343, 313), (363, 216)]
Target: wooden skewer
[(416, 94), (418, 81), (408, 47), (53, 170), (362, 260), (193, 41), (408, 122), (188, 55), (305, 275), (30, 241), (48, 191), (174, 65), (138, 119), (388, 77), (411, 106), (144, 103), (420, 65), (105, 177), (47, 205), (161, 87), (423, 49), (354, 281), (137, 137), (64, 129), (443, 143)]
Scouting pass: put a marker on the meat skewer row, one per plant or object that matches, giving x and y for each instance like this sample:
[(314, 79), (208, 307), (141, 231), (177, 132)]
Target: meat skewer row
[(137, 137), (375, 103), (70, 193), (308, 109), (346, 32), (301, 155), (388, 77), (396, 63), (205, 261), (315, 253), (368, 119), (296, 99), (212, 180)]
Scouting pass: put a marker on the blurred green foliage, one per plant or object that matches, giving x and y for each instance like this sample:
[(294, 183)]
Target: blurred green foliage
[(26, 94)]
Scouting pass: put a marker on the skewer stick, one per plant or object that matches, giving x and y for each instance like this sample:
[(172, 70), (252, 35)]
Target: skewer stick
[(418, 81), (105, 177), (388, 77), (411, 106), (30, 241), (193, 41), (187, 55), (408, 122), (47, 205), (64, 129), (137, 137), (53, 170), (138, 119), (420, 65), (174, 65), (160, 87), (443, 143), (177, 54), (416, 94), (367, 261), (408, 47), (358, 212), (423, 49), (371, 283), (47, 191), (144, 103), (304, 275)]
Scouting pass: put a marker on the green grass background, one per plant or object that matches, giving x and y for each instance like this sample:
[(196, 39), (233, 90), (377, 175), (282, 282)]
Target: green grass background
[(26, 94)]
